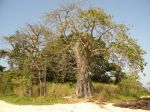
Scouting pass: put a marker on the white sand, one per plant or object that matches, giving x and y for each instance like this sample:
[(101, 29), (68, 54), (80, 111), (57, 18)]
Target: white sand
[(78, 107)]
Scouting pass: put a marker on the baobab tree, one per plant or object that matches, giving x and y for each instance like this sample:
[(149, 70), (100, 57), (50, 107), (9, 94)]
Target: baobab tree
[(93, 32)]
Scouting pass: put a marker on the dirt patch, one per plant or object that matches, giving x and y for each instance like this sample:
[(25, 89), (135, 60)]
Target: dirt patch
[(143, 103)]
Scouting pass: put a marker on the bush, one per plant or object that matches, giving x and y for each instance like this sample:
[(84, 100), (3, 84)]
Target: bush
[(130, 86), (6, 86), (105, 91)]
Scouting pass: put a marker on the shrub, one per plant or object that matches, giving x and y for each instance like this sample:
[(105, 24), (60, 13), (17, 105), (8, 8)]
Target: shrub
[(130, 86), (6, 86), (105, 91)]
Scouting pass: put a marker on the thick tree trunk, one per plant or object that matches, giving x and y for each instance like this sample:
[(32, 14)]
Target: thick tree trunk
[(84, 86)]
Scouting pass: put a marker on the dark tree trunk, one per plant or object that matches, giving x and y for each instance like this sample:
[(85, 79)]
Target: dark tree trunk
[(84, 86)]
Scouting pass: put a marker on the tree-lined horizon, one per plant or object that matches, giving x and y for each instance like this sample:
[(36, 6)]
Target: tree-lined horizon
[(73, 44)]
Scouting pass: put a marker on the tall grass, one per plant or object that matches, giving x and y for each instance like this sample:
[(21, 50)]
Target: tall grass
[(56, 93), (52, 90), (125, 90), (59, 90)]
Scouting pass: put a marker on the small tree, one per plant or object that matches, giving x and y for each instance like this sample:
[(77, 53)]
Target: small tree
[(128, 83), (25, 56)]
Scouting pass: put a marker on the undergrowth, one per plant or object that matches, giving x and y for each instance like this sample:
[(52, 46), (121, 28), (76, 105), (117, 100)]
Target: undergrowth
[(56, 93)]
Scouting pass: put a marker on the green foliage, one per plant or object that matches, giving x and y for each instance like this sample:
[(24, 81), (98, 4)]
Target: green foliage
[(22, 100), (55, 94), (131, 50), (95, 16), (122, 92), (130, 86), (106, 72), (11, 82), (3, 53), (59, 90), (61, 63), (105, 91), (6, 85), (2, 68)]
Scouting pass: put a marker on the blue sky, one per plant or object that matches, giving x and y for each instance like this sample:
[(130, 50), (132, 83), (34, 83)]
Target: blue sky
[(16, 13)]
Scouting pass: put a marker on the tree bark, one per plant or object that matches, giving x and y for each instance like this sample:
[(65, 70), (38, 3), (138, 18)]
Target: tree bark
[(28, 90), (84, 87), (45, 74), (40, 84)]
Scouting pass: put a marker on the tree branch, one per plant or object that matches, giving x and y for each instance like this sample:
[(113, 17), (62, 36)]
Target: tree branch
[(97, 52), (106, 31), (93, 25)]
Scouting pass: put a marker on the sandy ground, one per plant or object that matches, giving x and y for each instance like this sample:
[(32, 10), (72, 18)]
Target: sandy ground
[(78, 107)]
